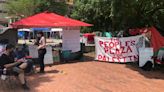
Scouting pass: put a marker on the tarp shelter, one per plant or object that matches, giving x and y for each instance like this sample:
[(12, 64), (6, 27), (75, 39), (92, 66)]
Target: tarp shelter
[(8, 35), (71, 27), (157, 40), (1, 26)]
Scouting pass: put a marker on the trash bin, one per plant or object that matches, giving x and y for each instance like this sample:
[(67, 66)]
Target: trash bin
[(66, 55), (56, 55)]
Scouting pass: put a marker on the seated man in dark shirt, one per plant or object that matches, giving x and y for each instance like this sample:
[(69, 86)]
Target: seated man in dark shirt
[(7, 61)]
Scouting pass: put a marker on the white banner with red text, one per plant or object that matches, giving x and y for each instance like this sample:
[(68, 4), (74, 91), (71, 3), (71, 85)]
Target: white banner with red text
[(118, 49)]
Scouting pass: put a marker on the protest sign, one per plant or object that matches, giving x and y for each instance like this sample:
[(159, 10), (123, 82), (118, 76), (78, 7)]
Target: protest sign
[(118, 49)]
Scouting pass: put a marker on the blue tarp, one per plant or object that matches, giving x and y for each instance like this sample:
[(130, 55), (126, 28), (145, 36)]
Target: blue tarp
[(41, 29), (21, 34)]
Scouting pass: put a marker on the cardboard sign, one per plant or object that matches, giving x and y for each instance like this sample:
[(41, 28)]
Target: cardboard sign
[(118, 49)]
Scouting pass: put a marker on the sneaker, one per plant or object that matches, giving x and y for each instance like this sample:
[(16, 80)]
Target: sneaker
[(25, 87)]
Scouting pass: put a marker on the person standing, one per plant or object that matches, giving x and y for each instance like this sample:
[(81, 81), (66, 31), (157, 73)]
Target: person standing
[(41, 51)]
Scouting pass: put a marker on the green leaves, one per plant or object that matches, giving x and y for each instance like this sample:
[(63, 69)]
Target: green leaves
[(52, 6), (96, 12), (105, 15), (24, 8), (115, 15)]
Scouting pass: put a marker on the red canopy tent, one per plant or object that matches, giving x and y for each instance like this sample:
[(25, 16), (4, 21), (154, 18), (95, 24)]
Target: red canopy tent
[(47, 19), (89, 36), (71, 39)]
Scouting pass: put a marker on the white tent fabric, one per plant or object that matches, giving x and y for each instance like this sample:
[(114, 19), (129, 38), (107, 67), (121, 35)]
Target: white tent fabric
[(56, 29), (25, 30)]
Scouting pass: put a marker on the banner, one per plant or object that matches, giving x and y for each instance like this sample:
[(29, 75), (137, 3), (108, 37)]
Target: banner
[(118, 49)]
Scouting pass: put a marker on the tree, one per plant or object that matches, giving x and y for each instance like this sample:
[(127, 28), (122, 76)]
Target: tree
[(24, 8), (96, 12), (116, 15), (136, 13), (52, 6)]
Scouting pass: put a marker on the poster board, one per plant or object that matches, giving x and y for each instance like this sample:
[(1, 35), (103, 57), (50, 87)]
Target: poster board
[(71, 40), (48, 58), (118, 49)]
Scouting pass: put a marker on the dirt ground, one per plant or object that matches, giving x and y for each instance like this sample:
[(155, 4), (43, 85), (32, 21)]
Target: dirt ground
[(92, 76)]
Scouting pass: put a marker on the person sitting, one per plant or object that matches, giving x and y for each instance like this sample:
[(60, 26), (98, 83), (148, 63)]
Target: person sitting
[(21, 53), (16, 67)]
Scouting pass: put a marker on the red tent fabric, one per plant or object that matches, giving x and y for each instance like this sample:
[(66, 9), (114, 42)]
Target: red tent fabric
[(157, 40), (89, 36), (47, 19)]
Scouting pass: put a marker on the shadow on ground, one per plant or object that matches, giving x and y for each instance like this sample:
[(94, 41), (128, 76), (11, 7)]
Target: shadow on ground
[(87, 57), (34, 81), (37, 79), (156, 73)]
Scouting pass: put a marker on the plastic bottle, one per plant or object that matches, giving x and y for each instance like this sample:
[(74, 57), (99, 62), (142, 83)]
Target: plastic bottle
[(4, 71), (34, 68)]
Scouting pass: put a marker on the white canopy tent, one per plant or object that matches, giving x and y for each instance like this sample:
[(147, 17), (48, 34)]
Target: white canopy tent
[(24, 30), (56, 29)]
